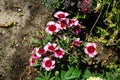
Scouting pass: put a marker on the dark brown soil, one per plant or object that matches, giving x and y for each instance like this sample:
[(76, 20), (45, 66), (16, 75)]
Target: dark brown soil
[(20, 20)]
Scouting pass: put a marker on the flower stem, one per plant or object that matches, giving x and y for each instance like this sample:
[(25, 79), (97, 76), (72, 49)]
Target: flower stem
[(95, 22)]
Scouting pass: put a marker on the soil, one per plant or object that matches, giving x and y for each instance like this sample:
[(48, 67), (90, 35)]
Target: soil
[(20, 20)]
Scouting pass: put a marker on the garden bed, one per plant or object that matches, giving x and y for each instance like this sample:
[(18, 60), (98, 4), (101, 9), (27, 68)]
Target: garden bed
[(90, 50)]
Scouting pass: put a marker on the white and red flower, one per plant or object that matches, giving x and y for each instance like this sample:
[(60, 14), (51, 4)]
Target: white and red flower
[(32, 60), (90, 49), (73, 22), (76, 42), (48, 64), (59, 52), (40, 52), (63, 23), (52, 27), (50, 47), (34, 56), (36, 52), (61, 14)]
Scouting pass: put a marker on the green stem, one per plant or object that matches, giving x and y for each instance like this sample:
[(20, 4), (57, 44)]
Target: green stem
[(95, 22)]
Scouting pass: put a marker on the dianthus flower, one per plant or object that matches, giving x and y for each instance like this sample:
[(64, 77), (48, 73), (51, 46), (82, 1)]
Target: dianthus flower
[(63, 23), (61, 14), (76, 42), (38, 52), (73, 22), (52, 27), (59, 52), (50, 47), (90, 49), (32, 60), (48, 64), (76, 29)]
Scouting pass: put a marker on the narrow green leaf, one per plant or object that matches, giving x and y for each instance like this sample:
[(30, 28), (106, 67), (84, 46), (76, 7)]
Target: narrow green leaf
[(63, 75), (38, 79)]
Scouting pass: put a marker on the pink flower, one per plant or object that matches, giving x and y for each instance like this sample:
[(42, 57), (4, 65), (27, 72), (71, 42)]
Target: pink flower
[(50, 47), (59, 52), (34, 56), (48, 64), (61, 14), (40, 52), (63, 23), (73, 22), (76, 42), (32, 61), (76, 29), (37, 52), (90, 49), (84, 5), (52, 27)]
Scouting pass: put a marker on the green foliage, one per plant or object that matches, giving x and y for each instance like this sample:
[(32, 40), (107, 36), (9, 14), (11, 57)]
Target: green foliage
[(45, 76), (105, 29), (52, 3), (71, 74), (86, 74), (112, 76), (108, 32)]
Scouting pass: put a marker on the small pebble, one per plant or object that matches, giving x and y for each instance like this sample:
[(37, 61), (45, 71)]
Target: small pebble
[(19, 10)]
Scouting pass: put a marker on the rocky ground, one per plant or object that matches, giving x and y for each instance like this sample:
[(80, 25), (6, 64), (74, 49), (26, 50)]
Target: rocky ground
[(20, 20)]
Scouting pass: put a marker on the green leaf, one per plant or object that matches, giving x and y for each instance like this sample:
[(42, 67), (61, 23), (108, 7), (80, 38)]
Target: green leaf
[(38, 79), (53, 78), (104, 41), (87, 74), (71, 77), (36, 64), (63, 75), (36, 40), (118, 77), (69, 72), (48, 75)]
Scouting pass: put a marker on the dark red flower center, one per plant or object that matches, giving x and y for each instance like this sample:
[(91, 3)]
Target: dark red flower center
[(59, 52), (52, 28), (33, 60), (41, 51), (48, 63), (71, 21), (51, 47), (61, 16), (90, 49), (63, 23)]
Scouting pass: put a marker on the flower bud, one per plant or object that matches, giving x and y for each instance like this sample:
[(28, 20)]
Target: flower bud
[(78, 53), (40, 37), (56, 73)]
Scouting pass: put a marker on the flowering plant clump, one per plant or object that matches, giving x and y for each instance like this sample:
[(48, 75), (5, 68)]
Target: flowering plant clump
[(69, 44), (62, 46)]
